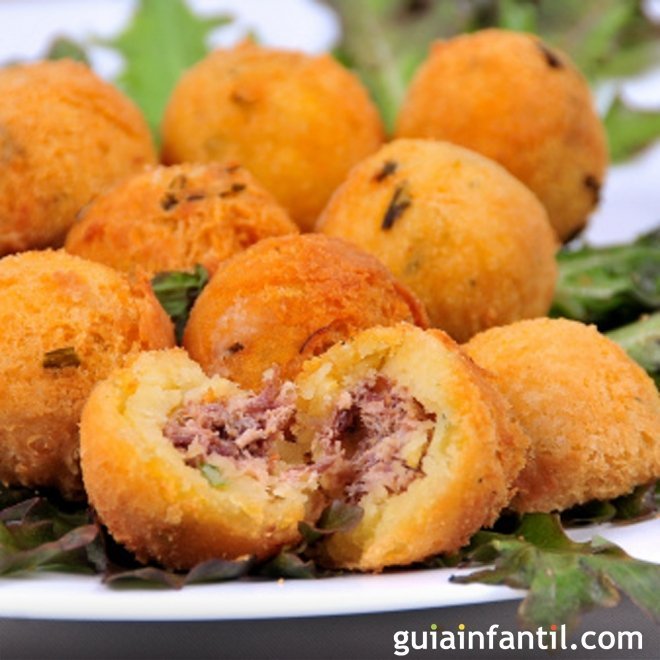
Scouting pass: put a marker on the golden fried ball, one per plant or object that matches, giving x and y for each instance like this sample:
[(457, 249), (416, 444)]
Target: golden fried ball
[(470, 240), (171, 218), (404, 425), (592, 413), (169, 487), (65, 135), (510, 97), (66, 323), (286, 299), (297, 122)]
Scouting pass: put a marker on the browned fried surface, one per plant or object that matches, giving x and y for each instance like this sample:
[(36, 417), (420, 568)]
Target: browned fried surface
[(514, 99), (593, 414), (297, 122), (171, 218), (52, 301), (64, 136), (286, 299), (470, 240)]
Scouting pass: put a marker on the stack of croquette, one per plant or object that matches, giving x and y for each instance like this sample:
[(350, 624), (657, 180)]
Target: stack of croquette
[(322, 363)]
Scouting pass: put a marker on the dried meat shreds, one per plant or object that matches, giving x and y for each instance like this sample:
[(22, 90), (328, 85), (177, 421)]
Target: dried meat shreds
[(367, 435), (404, 425), (182, 468)]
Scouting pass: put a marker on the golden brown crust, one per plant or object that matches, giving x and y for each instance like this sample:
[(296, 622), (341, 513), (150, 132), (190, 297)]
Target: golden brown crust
[(475, 454), (514, 99), (297, 122), (468, 239), (172, 218), (64, 136), (287, 299), (53, 301), (150, 500), (593, 414)]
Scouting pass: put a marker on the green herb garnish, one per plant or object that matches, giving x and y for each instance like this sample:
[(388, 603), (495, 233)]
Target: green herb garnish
[(629, 129), (213, 475), (39, 534), (61, 358), (399, 203), (337, 517), (177, 291), (638, 505)]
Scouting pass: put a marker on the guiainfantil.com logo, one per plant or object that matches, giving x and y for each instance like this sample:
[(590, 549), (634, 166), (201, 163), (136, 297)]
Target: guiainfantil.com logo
[(553, 638)]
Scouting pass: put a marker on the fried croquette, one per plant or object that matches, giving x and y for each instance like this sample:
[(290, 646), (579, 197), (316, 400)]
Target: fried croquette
[(172, 218), (404, 425), (592, 413), (66, 323), (468, 238), (297, 122), (182, 468), (514, 99), (286, 299), (65, 135)]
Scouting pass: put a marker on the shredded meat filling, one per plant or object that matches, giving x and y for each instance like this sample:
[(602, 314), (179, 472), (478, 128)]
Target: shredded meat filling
[(242, 427), (371, 427)]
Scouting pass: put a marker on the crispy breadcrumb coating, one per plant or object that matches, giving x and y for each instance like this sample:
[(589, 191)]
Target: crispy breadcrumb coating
[(592, 413), (468, 238), (514, 99), (66, 324), (65, 135), (172, 218), (286, 299), (297, 122)]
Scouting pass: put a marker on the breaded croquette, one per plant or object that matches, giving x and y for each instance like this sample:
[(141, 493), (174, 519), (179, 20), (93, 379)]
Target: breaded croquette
[(182, 468), (468, 238), (297, 122), (65, 135), (514, 99), (401, 423), (66, 324), (286, 299), (593, 414)]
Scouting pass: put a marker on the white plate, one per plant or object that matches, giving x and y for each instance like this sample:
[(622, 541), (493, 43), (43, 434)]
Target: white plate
[(56, 596), (631, 205)]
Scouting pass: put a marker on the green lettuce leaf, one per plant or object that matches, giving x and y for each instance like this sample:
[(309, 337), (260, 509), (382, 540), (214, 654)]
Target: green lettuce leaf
[(564, 579), (162, 40)]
